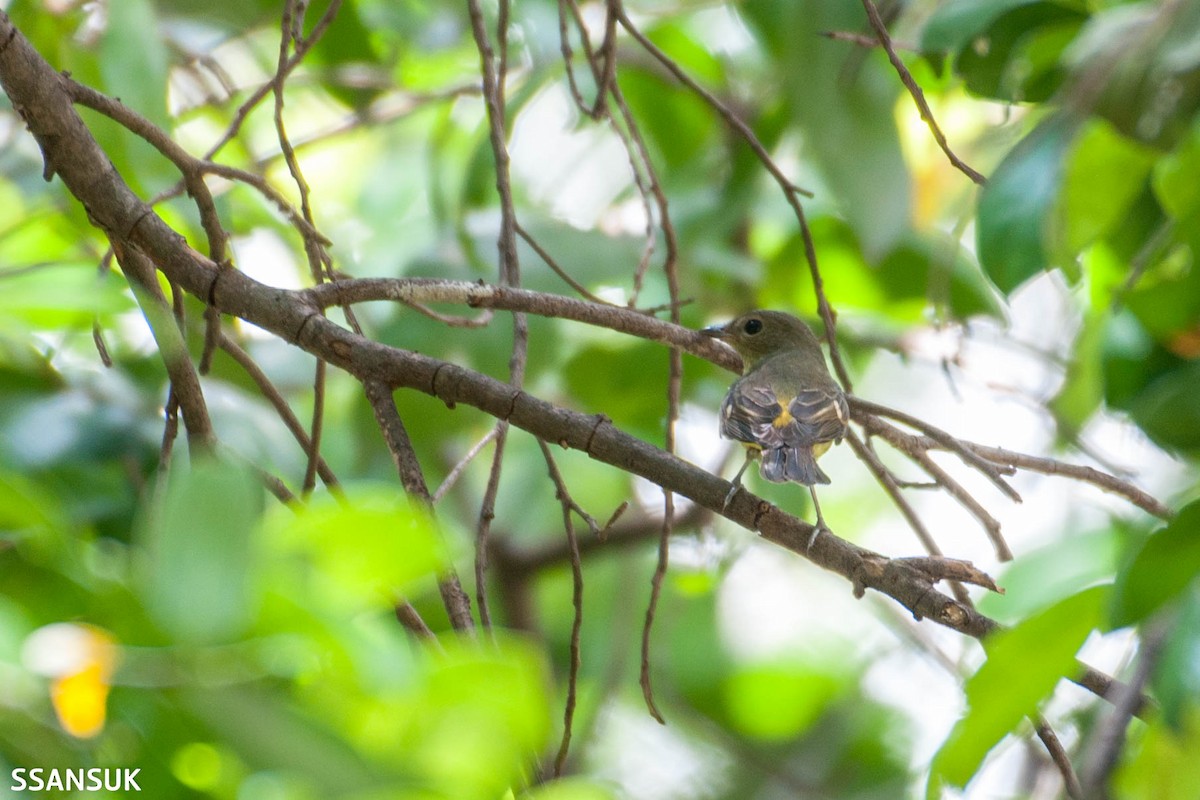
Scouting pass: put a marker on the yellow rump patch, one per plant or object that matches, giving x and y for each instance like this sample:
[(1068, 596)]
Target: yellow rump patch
[(785, 417)]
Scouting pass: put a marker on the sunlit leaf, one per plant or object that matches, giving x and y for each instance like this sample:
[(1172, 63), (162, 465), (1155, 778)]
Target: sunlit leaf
[(477, 717), (370, 545), (779, 701), (570, 789), (1083, 388), (1164, 764), (1175, 182), (1105, 172), (1023, 666), (1037, 578), (59, 296), (200, 540)]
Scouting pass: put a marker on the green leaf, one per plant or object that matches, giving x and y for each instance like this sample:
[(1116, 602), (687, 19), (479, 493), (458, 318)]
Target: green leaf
[(368, 545), (200, 535), (59, 296), (1163, 764), (954, 25), (1168, 411), (1177, 676), (1083, 389), (1018, 58), (778, 701), (1015, 204), (1163, 566), (570, 789), (1044, 576), (134, 61), (1105, 174), (1023, 665), (479, 714), (1174, 181), (27, 509)]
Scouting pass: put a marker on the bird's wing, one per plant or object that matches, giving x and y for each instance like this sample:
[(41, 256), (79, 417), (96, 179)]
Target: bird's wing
[(755, 415)]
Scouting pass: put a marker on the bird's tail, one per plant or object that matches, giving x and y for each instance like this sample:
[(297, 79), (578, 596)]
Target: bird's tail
[(783, 464)]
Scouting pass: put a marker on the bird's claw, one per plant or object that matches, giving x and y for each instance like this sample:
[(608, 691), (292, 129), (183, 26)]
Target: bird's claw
[(820, 526), (733, 490)]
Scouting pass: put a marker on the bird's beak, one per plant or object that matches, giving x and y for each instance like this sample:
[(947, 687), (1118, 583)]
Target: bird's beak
[(714, 332)]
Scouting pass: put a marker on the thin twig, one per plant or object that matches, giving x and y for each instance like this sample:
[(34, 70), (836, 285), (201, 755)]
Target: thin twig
[(885, 479), (510, 269), (411, 620), (1109, 737), (549, 261), (791, 192), (918, 96), (1058, 755), (871, 422), (379, 394), (568, 506), (909, 445), (455, 473), (277, 401)]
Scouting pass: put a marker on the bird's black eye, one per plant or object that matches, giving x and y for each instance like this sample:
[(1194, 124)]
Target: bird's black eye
[(752, 326)]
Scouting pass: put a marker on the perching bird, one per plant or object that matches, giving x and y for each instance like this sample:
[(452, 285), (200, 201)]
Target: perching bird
[(786, 408)]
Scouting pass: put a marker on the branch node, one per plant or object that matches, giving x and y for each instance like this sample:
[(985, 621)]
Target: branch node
[(144, 212), (304, 325), (761, 511), (600, 420), (12, 34), (512, 406), (433, 384)]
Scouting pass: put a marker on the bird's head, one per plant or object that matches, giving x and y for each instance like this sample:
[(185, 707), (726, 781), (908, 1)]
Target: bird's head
[(759, 334)]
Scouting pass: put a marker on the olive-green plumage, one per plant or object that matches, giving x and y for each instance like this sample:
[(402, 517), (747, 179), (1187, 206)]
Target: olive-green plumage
[(786, 405)]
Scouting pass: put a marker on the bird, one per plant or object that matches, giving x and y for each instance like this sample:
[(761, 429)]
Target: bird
[(786, 408)]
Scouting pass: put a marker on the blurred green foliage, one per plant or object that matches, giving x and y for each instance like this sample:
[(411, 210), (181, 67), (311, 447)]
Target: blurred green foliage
[(259, 655)]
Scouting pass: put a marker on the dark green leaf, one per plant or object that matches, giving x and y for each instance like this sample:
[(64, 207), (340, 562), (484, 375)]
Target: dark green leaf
[(1016, 203), (1177, 678), (1162, 567), (1169, 409)]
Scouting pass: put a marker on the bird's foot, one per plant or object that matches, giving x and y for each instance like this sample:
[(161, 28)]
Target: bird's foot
[(733, 490), (820, 526)]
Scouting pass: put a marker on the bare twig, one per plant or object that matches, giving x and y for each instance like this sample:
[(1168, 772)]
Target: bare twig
[(568, 506), (891, 487), (458, 604), (549, 261), (185, 382), (452, 477), (918, 96), (791, 192), (1104, 750), (871, 422), (411, 620), (277, 401), (1058, 755)]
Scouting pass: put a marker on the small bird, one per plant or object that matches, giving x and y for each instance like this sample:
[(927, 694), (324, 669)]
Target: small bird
[(786, 408)]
